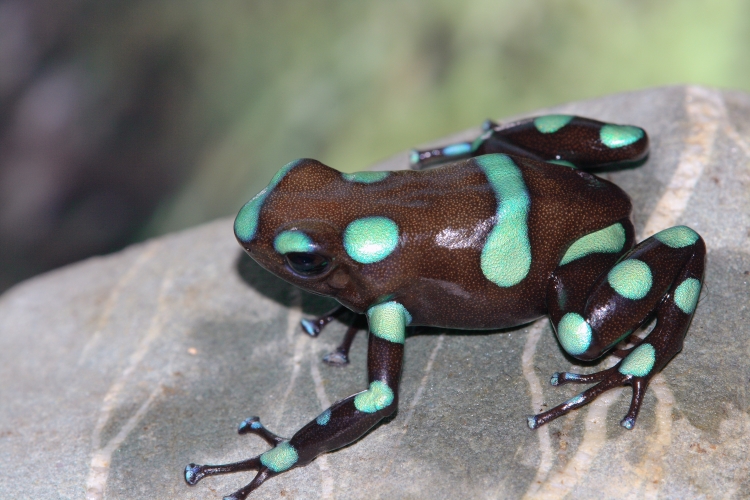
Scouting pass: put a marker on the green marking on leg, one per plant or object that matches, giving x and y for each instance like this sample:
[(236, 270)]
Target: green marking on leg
[(550, 124), (377, 397), (640, 362), (388, 321), (631, 278), (280, 458), (686, 295), (293, 241), (618, 136), (368, 177), (458, 149), (324, 417), (608, 240), (246, 222), (574, 333), (370, 239), (506, 255), (677, 237)]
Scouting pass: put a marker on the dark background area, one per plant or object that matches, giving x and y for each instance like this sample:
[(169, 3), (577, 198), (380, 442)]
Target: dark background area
[(120, 120)]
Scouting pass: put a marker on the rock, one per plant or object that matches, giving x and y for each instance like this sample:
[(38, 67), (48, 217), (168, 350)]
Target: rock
[(118, 371)]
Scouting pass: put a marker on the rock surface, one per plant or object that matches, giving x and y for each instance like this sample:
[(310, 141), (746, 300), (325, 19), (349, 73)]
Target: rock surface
[(118, 371)]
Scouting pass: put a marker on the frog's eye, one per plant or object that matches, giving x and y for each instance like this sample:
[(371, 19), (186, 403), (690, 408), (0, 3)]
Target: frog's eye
[(306, 264)]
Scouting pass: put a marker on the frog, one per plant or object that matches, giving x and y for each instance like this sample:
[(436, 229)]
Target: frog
[(486, 234)]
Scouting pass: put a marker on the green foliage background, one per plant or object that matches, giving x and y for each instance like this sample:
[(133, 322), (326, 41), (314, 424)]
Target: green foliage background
[(183, 109), (351, 83)]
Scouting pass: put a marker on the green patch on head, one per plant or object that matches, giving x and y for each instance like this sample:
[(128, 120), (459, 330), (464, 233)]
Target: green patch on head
[(574, 333), (640, 362), (506, 255), (677, 237), (246, 222), (388, 321), (370, 239), (280, 458), (550, 124), (686, 295), (618, 136), (377, 397), (293, 241), (367, 177), (608, 240), (631, 278)]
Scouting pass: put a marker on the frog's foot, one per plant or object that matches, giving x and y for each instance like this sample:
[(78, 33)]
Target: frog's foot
[(340, 356), (313, 327), (252, 425), (617, 376)]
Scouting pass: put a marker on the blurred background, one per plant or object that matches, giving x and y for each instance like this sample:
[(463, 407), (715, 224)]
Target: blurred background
[(121, 120)]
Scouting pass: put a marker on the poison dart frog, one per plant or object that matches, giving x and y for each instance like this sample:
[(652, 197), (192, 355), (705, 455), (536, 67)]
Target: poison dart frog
[(512, 227)]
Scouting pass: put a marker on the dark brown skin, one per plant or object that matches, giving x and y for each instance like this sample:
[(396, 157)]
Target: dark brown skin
[(580, 266), (447, 289)]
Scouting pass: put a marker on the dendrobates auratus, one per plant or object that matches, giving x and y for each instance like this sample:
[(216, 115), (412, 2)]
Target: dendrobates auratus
[(512, 229)]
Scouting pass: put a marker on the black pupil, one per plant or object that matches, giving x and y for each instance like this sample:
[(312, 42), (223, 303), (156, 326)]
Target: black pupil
[(306, 263)]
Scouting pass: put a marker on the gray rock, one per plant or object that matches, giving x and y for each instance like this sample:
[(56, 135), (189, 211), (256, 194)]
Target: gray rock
[(118, 371)]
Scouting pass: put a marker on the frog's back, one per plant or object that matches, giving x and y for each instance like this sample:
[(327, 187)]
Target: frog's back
[(477, 239)]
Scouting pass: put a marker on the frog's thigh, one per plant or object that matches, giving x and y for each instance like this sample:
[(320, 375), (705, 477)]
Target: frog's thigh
[(667, 265)]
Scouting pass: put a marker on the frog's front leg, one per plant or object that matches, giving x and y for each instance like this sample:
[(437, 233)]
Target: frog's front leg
[(661, 276), (342, 423), (313, 327)]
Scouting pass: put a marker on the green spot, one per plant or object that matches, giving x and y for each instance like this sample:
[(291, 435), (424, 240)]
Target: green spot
[(459, 149), (367, 177), (677, 237), (551, 123), (639, 362), (686, 295), (388, 321), (574, 333), (562, 162), (506, 256), (246, 222), (608, 240), (280, 458), (293, 241), (631, 278), (575, 400), (324, 417), (377, 397), (370, 239), (617, 136)]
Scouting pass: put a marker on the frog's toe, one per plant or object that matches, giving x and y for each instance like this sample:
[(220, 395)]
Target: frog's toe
[(336, 358), (252, 425), (193, 474), (310, 327), (606, 379)]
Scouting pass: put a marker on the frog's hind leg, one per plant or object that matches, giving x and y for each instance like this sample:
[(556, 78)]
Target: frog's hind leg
[(661, 276), (568, 140)]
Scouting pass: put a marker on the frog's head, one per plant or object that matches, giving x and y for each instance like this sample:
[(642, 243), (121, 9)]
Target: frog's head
[(291, 228)]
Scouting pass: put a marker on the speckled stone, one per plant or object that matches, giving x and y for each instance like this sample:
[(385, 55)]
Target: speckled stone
[(118, 371)]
